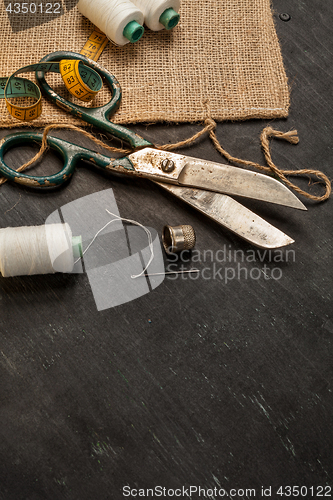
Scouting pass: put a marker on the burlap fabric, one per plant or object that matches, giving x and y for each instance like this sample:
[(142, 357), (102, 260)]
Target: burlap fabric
[(226, 52)]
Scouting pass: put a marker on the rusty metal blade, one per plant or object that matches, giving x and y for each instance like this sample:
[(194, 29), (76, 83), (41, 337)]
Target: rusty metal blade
[(229, 213), (163, 166), (236, 181)]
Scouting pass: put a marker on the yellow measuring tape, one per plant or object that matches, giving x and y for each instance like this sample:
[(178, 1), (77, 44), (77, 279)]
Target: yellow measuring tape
[(80, 80), (95, 45), (14, 87)]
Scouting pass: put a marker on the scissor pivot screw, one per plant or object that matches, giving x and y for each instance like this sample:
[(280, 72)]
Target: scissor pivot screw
[(168, 165), (285, 17)]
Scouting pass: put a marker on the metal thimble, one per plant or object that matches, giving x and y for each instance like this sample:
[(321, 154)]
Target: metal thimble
[(178, 238)]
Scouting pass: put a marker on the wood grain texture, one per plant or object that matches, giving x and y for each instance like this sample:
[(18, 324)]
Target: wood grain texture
[(201, 382)]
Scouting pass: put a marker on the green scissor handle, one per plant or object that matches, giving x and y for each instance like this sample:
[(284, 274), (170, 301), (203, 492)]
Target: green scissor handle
[(70, 153), (98, 117)]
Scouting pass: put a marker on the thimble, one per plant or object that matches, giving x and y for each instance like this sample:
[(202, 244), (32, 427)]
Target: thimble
[(178, 238)]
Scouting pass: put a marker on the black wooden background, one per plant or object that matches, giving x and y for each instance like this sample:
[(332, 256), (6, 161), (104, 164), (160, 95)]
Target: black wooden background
[(202, 383)]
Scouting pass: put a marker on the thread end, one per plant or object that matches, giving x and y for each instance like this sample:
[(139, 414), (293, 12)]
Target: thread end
[(169, 19), (77, 247), (133, 31)]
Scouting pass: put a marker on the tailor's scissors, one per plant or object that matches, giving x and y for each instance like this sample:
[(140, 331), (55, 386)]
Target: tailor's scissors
[(202, 184)]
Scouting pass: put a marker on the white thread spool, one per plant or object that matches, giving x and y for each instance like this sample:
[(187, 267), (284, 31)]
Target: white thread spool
[(159, 14), (120, 20), (37, 250)]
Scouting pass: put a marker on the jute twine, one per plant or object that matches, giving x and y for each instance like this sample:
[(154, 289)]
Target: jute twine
[(210, 127)]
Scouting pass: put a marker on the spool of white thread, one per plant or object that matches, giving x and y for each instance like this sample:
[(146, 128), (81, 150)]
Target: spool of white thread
[(159, 14), (37, 250), (120, 20)]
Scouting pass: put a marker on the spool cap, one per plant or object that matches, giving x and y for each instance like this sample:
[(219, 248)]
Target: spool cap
[(169, 18), (77, 247), (178, 238), (133, 31)]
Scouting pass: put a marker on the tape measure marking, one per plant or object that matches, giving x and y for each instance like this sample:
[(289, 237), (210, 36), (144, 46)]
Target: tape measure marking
[(80, 80), (95, 45), (14, 87)]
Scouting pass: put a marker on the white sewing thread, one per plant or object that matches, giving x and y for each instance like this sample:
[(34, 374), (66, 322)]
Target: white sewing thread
[(153, 9), (118, 218), (111, 16), (36, 250), (47, 249)]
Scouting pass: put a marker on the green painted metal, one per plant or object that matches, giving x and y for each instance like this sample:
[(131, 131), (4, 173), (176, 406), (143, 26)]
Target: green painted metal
[(99, 117), (69, 152)]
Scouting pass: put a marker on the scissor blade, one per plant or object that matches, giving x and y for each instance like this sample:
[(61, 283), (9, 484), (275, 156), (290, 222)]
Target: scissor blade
[(163, 166), (229, 213), (236, 181)]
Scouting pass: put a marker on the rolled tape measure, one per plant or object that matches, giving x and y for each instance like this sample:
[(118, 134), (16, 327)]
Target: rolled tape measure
[(14, 87), (80, 80)]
